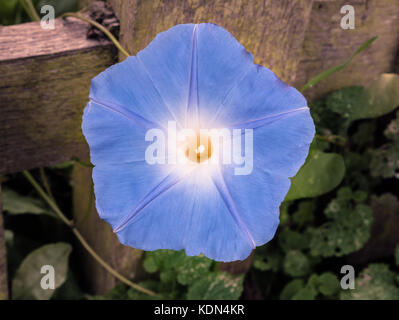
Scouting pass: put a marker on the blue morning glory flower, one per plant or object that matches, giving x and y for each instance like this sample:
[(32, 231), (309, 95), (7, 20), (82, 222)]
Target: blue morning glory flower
[(194, 77)]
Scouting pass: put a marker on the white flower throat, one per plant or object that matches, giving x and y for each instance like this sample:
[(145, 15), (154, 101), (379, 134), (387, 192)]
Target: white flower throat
[(201, 147)]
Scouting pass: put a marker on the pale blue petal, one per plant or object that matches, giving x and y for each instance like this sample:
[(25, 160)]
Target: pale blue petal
[(119, 188), (281, 146), (115, 136), (256, 199), (168, 60), (222, 64), (129, 85), (231, 88), (259, 95), (193, 216)]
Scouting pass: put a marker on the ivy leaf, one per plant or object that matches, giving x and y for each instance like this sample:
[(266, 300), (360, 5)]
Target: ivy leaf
[(385, 160), (291, 289), (348, 228), (14, 203), (271, 261), (292, 240), (304, 213), (296, 264), (192, 269), (328, 284), (376, 282), (163, 260), (26, 283), (216, 286), (306, 293), (321, 173)]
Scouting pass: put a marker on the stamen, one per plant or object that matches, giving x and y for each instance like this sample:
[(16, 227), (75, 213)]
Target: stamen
[(198, 148)]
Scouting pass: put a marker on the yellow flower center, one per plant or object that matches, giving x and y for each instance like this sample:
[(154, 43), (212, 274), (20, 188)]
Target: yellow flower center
[(198, 148)]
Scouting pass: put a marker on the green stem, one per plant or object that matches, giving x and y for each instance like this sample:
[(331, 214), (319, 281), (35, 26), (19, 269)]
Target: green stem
[(99, 26), (332, 139), (79, 236), (30, 9), (46, 183)]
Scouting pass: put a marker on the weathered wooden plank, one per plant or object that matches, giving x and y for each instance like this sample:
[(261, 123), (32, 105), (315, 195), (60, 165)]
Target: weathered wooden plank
[(273, 31), (327, 44), (3, 258), (44, 84)]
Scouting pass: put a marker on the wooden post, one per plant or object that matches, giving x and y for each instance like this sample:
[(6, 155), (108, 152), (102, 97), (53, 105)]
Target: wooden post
[(327, 44), (3, 258)]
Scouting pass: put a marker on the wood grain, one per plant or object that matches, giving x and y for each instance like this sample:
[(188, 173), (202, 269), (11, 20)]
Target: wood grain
[(273, 31), (44, 84), (327, 44)]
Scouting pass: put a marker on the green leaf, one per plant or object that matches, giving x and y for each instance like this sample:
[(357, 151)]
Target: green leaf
[(163, 260), (397, 255), (321, 173), (216, 286), (60, 6), (296, 264), (376, 282), (192, 269), (291, 289), (305, 212), (328, 284), (307, 293), (14, 203), (292, 240), (26, 283), (329, 72), (271, 261), (355, 103), (348, 227), (385, 160)]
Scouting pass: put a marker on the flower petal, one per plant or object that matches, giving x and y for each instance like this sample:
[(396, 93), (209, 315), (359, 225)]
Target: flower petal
[(168, 59), (115, 135), (281, 146), (120, 188), (192, 216), (260, 94), (222, 63), (256, 199)]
